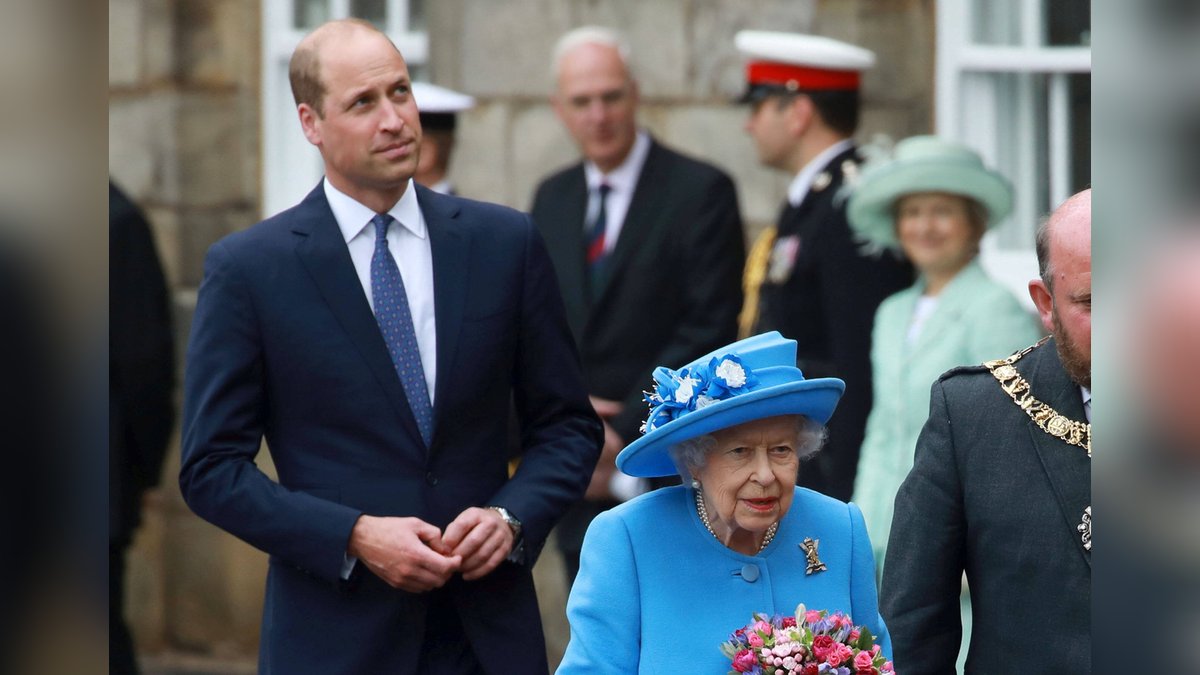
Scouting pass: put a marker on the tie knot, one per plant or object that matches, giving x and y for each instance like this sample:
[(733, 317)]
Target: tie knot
[(604, 189), (381, 222)]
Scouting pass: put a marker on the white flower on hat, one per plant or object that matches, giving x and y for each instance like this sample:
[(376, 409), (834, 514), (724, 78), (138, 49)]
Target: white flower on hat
[(704, 401), (686, 389), (733, 373)]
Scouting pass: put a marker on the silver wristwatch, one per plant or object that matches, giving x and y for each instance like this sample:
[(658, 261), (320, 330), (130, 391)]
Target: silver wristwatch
[(510, 520)]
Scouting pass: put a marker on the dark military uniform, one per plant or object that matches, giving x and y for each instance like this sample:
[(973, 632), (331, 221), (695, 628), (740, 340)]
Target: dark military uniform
[(821, 287), (993, 494)]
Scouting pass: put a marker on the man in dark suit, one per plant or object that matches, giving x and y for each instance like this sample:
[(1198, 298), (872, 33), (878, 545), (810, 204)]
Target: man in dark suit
[(141, 408), (1001, 490), (808, 278), (375, 336), (648, 247)]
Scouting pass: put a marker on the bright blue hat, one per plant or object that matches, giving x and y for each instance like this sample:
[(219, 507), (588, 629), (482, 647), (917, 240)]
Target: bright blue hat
[(748, 380)]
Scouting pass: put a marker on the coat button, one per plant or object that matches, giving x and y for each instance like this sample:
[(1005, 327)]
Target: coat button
[(431, 479), (750, 573)]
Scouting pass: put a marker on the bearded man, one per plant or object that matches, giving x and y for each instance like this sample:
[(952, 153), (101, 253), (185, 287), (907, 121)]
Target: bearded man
[(1001, 491)]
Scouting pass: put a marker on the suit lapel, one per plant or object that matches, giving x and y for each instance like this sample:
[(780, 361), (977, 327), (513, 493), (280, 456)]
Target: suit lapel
[(640, 220), (573, 269), (451, 255), (324, 254), (1067, 466)]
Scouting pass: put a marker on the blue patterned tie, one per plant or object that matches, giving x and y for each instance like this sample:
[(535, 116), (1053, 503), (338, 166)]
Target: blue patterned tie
[(395, 321)]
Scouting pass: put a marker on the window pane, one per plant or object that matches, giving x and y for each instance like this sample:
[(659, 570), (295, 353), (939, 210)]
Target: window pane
[(374, 11), (308, 14), (996, 22), (1081, 131), (416, 15), (1068, 23)]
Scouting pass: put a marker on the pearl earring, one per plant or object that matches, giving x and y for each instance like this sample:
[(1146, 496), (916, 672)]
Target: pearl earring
[(695, 483)]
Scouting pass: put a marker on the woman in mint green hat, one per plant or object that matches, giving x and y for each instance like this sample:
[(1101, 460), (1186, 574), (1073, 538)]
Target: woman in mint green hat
[(934, 200)]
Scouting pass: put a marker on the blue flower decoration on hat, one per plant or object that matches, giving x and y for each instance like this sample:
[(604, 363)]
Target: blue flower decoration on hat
[(748, 380), (677, 393)]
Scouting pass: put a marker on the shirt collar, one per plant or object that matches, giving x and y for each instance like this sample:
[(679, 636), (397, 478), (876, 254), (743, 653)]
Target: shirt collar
[(798, 189), (623, 178), (352, 217), (1087, 401)]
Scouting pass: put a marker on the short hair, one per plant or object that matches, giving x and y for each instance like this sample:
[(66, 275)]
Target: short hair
[(693, 452), (589, 35), (839, 110), (978, 215), (304, 69), (1041, 241)]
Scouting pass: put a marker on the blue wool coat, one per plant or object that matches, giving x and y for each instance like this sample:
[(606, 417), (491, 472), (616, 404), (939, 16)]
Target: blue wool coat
[(657, 593)]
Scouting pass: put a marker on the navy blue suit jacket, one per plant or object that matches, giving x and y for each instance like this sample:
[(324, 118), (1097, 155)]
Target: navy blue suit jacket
[(285, 348)]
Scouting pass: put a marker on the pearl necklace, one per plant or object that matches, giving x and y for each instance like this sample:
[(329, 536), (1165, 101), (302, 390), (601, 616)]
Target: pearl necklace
[(708, 526)]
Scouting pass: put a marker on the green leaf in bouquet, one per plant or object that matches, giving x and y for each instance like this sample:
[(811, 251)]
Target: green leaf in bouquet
[(865, 639)]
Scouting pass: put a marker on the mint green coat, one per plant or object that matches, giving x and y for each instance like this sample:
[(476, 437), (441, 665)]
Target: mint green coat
[(976, 320)]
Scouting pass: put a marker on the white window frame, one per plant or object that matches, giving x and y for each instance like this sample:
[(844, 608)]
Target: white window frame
[(291, 166), (966, 111)]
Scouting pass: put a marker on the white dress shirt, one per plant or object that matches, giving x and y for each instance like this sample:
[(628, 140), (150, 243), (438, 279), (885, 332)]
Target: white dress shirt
[(409, 245), (1087, 403), (800, 185), (622, 181)]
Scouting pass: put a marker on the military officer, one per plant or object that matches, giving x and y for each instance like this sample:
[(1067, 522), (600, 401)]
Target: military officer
[(808, 277)]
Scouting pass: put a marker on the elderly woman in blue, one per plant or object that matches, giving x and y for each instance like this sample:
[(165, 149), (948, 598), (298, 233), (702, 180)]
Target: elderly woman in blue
[(665, 578)]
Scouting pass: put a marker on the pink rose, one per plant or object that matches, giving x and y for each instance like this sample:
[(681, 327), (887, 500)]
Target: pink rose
[(863, 661), (744, 661), (755, 640), (812, 616), (888, 667), (854, 635), (762, 627), (822, 646), (874, 650), (839, 654)]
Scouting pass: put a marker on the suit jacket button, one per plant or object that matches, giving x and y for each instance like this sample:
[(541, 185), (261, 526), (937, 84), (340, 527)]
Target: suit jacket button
[(750, 573), (431, 479)]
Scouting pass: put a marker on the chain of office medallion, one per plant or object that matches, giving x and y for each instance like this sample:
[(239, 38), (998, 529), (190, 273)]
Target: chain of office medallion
[(1048, 419)]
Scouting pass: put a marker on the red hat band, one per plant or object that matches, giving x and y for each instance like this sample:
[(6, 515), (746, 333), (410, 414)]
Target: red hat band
[(800, 77)]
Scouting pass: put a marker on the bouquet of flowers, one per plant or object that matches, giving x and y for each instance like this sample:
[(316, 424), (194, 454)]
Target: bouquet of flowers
[(810, 643)]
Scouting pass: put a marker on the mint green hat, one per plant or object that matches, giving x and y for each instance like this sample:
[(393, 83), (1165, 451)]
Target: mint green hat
[(923, 164)]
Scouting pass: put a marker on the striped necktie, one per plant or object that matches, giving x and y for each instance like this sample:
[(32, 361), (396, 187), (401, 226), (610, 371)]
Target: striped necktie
[(594, 252)]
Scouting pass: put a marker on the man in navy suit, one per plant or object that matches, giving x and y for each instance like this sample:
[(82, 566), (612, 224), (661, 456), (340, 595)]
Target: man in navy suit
[(647, 243), (375, 336)]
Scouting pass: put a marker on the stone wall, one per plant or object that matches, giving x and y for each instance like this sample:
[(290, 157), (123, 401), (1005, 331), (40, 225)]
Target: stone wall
[(688, 70), (184, 82)]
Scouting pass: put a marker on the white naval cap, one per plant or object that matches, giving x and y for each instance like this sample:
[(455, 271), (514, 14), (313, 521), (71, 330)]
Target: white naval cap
[(795, 61), (439, 105)]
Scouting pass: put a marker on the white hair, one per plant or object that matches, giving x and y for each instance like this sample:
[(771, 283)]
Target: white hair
[(589, 35), (692, 454)]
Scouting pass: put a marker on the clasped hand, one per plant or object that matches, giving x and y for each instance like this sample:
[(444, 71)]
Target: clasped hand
[(412, 555)]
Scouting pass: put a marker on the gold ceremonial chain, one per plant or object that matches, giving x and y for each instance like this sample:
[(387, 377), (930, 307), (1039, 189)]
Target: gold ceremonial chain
[(1048, 419), (757, 263), (708, 526)]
